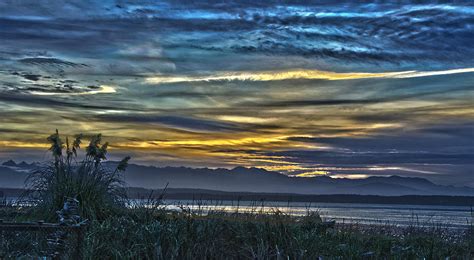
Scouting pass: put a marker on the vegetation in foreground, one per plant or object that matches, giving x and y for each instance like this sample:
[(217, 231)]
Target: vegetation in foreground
[(153, 233), (147, 231), (98, 188)]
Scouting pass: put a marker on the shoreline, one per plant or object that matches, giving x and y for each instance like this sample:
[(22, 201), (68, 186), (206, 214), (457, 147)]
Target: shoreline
[(185, 194)]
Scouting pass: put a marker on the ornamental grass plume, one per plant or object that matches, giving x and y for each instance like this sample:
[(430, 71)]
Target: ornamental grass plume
[(98, 188)]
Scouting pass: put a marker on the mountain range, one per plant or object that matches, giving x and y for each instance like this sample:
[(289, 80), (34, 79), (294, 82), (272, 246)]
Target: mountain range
[(241, 179)]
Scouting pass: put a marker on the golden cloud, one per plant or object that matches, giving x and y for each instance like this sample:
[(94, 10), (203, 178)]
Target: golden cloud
[(299, 74)]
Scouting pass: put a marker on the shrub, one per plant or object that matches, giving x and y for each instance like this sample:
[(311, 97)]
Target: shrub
[(98, 188)]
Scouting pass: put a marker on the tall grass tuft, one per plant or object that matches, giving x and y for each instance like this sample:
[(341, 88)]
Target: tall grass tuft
[(98, 188)]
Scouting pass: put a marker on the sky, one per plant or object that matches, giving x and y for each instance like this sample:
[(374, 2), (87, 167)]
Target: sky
[(334, 88)]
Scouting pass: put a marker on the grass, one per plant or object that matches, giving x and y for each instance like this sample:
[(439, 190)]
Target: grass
[(153, 233), (97, 188), (147, 231)]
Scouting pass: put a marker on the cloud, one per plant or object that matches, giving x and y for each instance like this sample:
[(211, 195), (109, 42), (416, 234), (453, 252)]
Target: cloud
[(32, 77), (417, 74), (393, 35), (102, 89), (49, 102), (236, 82), (299, 74), (48, 84), (441, 139), (50, 62), (179, 122)]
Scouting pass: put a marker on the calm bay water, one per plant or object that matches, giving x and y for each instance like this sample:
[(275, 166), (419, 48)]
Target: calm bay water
[(404, 215), (378, 214)]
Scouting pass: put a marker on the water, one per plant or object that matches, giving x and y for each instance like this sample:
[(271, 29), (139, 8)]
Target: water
[(401, 215), (359, 213)]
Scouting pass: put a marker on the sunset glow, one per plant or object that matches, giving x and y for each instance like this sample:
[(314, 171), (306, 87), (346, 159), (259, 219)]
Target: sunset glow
[(304, 90)]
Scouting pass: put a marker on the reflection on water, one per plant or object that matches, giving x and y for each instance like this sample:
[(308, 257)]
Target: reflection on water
[(404, 215), (381, 214)]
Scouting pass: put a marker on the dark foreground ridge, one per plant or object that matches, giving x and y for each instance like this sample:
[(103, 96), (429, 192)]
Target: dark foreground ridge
[(206, 195), (196, 194)]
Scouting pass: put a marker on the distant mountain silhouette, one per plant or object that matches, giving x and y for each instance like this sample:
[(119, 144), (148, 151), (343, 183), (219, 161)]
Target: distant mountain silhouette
[(9, 163), (241, 179), (22, 165)]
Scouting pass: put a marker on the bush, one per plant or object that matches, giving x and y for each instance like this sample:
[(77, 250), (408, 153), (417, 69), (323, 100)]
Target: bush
[(98, 189)]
